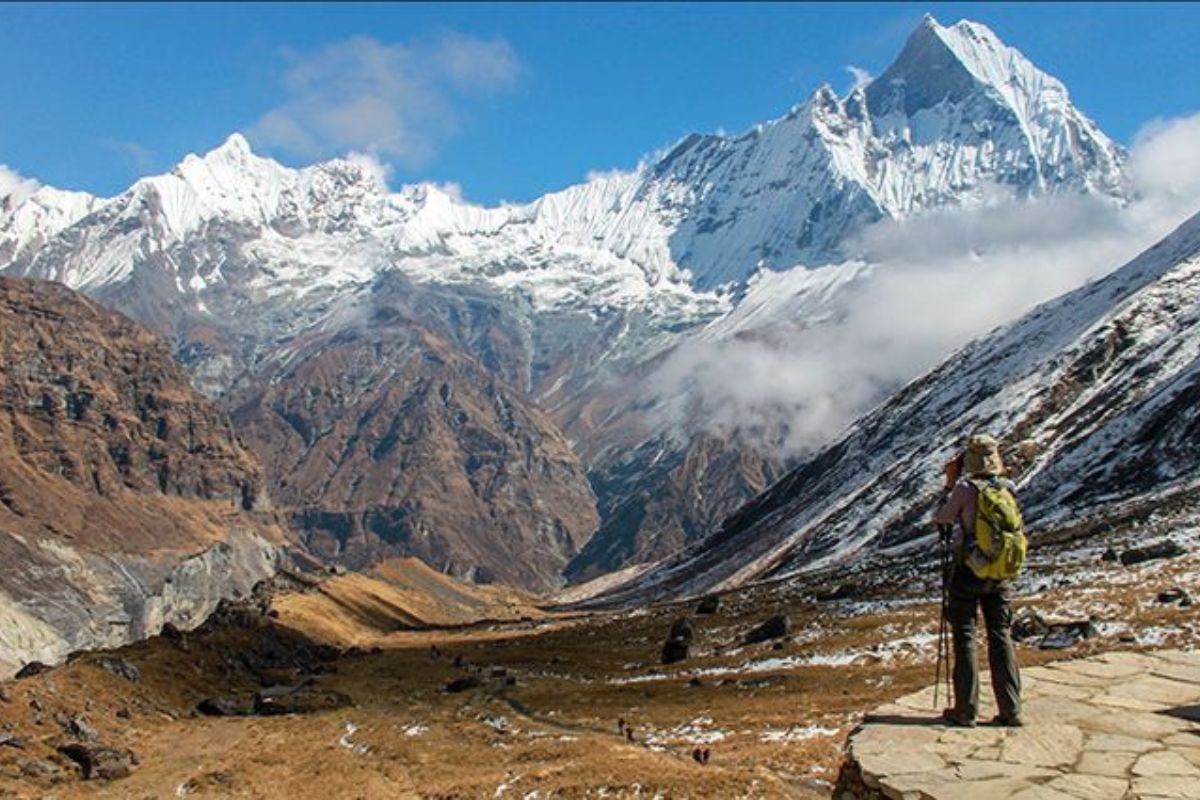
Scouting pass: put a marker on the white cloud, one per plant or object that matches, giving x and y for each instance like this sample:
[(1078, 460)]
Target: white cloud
[(14, 187), (396, 101), (370, 164), (860, 75), (1165, 159), (937, 281)]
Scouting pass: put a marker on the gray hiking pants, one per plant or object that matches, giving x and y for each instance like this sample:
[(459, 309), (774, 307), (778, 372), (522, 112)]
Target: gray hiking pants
[(967, 595)]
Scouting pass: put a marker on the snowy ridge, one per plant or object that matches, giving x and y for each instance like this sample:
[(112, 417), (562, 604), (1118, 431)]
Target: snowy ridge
[(1095, 395), (957, 114)]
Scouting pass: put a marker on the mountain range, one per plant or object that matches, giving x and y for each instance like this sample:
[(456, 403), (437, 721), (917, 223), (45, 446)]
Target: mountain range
[(421, 375)]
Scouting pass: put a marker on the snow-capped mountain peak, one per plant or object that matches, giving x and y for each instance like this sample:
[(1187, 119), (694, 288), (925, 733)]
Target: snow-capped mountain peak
[(957, 113)]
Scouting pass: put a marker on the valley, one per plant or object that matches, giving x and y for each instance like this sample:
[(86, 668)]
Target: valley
[(312, 486), (540, 691)]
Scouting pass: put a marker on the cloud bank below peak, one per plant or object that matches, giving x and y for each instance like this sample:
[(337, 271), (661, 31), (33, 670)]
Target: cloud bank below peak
[(931, 283)]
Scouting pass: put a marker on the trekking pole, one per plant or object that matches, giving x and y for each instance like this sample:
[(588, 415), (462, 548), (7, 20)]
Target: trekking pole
[(943, 650)]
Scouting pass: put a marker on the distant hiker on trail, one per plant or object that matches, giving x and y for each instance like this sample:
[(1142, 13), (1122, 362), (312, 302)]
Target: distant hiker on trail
[(986, 547)]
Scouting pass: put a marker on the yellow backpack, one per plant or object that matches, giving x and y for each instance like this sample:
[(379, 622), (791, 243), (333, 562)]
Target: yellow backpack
[(998, 552)]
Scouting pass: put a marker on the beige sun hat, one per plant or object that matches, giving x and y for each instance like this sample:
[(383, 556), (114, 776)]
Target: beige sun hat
[(983, 456)]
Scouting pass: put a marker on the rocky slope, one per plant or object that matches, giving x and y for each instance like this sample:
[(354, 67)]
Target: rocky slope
[(573, 298), (1094, 394), (126, 500), (386, 439)]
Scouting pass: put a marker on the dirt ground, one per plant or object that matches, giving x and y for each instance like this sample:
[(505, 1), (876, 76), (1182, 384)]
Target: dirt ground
[(553, 690)]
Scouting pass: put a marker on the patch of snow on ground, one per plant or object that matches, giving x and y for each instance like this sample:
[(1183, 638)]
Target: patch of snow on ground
[(347, 742), (796, 733)]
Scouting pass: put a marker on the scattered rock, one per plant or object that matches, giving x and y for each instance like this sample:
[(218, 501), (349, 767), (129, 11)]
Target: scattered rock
[(774, 628), (674, 650), (498, 672), (224, 707), (461, 684), (120, 667), (99, 761), (41, 769), (79, 727), (1167, 548), (709, 605), (683, 629), (843, 591), (5, 695), (305, 699), (1109, 555), (1064, 635), (695, 683), (124, 713), (1175, 595), (31, 669), (1028, 625)]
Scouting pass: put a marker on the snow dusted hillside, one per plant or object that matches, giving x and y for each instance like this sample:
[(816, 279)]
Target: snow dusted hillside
[(1096, 396)]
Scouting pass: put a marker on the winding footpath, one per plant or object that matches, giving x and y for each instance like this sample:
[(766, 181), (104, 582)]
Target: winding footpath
[(1119, 725)]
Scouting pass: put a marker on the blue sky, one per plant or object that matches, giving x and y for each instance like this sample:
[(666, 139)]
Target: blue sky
[(508, 101)]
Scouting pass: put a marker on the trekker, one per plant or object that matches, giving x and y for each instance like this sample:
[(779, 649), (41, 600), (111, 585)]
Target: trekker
[(982, 471)]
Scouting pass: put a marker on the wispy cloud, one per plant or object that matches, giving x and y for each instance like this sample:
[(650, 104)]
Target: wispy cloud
[(14, 187), (936, 281), (398, 101), (861, 76)]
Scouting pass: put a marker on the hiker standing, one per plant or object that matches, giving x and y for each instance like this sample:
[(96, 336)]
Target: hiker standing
[(983, 559)]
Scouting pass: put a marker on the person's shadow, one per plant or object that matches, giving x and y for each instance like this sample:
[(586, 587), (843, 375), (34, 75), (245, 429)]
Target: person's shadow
[(902, 719)]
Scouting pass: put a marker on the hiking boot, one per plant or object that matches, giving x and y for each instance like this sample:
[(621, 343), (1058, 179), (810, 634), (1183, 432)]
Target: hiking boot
[(957, 719), (1009, 720)]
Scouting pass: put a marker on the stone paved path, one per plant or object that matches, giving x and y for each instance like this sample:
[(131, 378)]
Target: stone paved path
[(1120, 725)]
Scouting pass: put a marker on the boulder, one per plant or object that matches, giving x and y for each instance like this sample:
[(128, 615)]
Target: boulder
[(120, 667), (709, 605), (304, 699), (41, 769), (461, 684), (1028, 625), (1063, 635), (776, 627), (674, 650), (843, 591), (31, 669), (684, 630), (79, 727), (224, 707), (1175, 595), (98, 761), (1166, 548)]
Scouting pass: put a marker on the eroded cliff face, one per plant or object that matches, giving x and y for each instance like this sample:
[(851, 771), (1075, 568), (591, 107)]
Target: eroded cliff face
[(388, 440), (126, 500)]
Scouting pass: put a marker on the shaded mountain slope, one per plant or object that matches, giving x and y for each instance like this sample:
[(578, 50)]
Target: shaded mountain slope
[(387, 440)]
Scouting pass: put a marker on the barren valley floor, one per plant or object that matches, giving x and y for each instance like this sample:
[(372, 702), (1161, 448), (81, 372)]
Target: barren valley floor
[(541, 699)]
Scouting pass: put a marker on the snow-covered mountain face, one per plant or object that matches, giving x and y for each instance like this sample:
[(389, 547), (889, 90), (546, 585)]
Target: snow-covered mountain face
[(1096, 396), (570, 298)]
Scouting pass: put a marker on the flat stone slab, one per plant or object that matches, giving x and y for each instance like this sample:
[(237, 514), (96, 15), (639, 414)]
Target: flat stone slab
[(1119, 725)]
